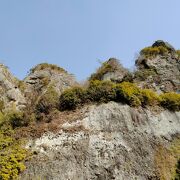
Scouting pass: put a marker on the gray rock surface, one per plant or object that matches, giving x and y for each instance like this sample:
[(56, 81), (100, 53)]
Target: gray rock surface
[(166, 69), (116, 142), (38, 80), (9, 91)]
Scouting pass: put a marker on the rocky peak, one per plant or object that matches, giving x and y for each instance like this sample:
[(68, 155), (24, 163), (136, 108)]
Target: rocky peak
[(11, 95), (159, 67), (164, 44), (45, 75), (110, 70)]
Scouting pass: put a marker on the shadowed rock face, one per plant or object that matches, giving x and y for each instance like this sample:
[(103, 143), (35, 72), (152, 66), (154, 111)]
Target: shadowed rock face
[(9, 91), (166, 76), (118, 142)]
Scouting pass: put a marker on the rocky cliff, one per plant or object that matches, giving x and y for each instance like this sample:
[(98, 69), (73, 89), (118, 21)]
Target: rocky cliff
[(112, 129), (111, 141)]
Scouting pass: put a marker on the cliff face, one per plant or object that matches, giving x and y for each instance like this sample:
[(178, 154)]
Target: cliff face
[(160, 72), (111, 141), (10, 93), (95, 142)]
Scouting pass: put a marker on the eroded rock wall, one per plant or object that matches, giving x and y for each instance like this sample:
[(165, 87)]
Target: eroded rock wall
[(115, 141)]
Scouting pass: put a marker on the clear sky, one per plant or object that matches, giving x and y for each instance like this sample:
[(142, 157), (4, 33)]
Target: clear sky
[(76, 34)]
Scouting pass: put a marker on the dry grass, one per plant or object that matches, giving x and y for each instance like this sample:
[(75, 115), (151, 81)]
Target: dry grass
[(166, 160), (36, 130)]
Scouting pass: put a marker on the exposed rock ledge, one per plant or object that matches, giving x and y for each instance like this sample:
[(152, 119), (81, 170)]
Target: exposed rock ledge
[(116, 142)]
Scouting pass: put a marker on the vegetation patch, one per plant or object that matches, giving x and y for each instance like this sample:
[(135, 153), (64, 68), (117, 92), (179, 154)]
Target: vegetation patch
[(47, 101), (170, 101), (129, 93), (125, 92), (47, 66), (178, 53), (151, 52), (12, 152), (149, 97), (100, 91), (167, 160), (71, 98)]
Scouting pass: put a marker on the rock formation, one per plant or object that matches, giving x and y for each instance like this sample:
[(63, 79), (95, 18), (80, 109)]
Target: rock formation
[(160, 72), (103, 140), (114, 141), (11, 95)]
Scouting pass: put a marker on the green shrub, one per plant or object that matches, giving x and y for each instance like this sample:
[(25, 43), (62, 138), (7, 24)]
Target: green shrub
[(12, 156), (1, 105), (149, 97), (48, 101), (71, 98), (16, 119), (170, 101), (129, 93), (149, 52), (43, 66), (178, 53), (126, 92), (101, 91)]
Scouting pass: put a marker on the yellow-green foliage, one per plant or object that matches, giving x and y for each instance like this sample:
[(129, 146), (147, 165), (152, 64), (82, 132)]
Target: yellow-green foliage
[(126, 92), (178, 53), (16, 118), (1, 105), (71, 98), (101, 91), (129, 93), (167, 160), (47, 66), (171, 101), (12, 155), (149, 52), (47, 101), (108, 66), (149, 97), (21, 85)]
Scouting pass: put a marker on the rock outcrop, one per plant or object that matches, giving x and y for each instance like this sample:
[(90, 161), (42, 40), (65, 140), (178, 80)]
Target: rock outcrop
[(110, 70), (116, 142), (11, 95), (44, 75), (160, 72)]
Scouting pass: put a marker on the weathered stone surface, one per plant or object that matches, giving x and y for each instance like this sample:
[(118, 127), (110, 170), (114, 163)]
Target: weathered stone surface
[(119, 71), (39, 80), (167, 72), (118, 142), (10, 93)]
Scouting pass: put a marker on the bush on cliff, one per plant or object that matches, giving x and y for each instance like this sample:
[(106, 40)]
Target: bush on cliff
[(47, 101), (71, 98), (129, 93), (12, 153), (101, 91), (150, 52), (126, 92), (170, 101), (149, 97)]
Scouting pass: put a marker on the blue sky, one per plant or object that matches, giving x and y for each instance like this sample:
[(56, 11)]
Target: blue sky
[(76, 34)]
